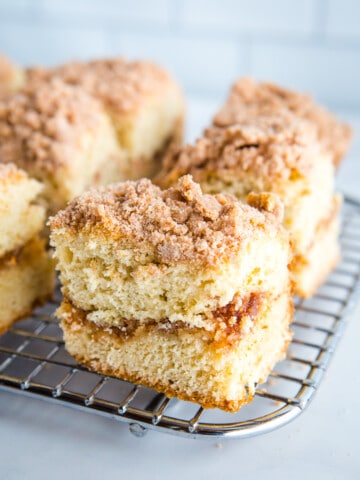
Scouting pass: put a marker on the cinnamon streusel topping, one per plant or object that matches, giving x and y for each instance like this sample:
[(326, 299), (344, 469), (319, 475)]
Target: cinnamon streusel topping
[(41, 125), (178, 224), (249, 100), (267, 147), (119, 84)]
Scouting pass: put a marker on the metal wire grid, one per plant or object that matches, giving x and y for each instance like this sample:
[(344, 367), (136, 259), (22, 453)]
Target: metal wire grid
[(33, 361)]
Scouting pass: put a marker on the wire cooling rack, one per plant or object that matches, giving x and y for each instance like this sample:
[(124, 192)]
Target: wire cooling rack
[(33, 362)]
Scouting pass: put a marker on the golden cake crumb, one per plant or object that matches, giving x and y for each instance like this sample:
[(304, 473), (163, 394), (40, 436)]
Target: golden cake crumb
[(27, 278), (176, 290), (21, 217), (26, 269)]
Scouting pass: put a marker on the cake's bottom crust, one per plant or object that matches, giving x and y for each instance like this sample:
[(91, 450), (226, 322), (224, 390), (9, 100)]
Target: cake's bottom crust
[(184, 364), (26, 280), (310, 270)]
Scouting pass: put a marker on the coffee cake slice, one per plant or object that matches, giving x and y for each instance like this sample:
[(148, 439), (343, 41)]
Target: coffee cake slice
[(26, 268), (270, 154), (323, 254), (27, 277), (61, 136), (21, 218), (180, 291), (143, 101), (248, 100)]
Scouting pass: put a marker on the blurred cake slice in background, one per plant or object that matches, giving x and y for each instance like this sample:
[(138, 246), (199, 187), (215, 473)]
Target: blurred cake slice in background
[(145, 104), (248, 100), (21, 218), (311, 268), (11, 77), (278, 154), (61, 136), (26, 269), (180, 291)]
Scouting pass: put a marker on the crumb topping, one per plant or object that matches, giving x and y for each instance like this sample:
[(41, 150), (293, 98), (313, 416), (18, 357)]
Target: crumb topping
[(119, 84), (267, 147), (178, 224), (40, 127), (268, 202), (248, 100)]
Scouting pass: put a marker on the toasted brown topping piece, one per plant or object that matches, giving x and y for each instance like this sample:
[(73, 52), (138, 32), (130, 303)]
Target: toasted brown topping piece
[(269, 202), (249, 100), (178, 224), (120, 85), (41, 126)]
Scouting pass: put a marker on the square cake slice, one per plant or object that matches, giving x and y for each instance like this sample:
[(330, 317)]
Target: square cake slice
[(27, 279), (20, 217), (248, 100), (144, 102), (183, 292), (26, 268), (61, 136)]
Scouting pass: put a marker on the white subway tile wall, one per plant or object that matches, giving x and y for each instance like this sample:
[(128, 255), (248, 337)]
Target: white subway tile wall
[(153, 13), (250, 17), (311, 45), (201, 65), (344, 19), (331, 74), (41, 43)]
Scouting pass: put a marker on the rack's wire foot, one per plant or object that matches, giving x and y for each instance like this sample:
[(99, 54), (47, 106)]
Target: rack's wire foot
[(137, 430)]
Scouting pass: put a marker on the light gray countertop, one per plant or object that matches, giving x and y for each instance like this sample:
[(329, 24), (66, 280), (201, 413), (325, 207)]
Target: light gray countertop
[(39, 440)]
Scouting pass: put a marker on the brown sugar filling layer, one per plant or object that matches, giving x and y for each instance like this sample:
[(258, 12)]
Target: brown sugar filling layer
[(230, 322)]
